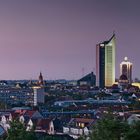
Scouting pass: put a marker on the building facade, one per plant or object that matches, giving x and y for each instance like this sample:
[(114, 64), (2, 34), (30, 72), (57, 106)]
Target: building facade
[(126, 69), (105, 63), (25, 96)]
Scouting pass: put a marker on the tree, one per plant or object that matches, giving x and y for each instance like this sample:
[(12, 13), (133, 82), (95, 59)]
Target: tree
[(3, 105), (109, 129), (133, 133), (18, 131)]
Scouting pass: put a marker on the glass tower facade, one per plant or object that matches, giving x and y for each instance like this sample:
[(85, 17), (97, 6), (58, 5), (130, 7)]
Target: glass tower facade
[(105, 63)]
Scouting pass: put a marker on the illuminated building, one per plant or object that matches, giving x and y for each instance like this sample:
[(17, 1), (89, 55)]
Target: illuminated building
[(123, 82), (136, 84), (105, 63), (126, 69)]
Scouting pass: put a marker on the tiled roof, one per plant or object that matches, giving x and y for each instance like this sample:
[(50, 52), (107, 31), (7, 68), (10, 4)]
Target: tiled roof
[(83, 120), (29, 113), (43, 123)]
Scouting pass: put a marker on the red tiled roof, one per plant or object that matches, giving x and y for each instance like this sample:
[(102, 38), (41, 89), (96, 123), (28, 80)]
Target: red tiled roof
[(42, 124), (83, 120), (29, 113), (15, 115)]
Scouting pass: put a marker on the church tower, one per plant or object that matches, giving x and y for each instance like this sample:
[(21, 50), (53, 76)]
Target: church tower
[(41, 81)]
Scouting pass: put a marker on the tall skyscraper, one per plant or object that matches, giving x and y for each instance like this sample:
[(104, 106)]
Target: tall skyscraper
[(126, 69), (105, 63)]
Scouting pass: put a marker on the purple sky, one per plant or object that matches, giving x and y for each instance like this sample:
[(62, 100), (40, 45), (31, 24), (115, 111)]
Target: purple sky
[(58, 37)]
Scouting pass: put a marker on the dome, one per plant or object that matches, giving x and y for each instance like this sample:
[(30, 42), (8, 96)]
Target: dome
[(123, 77)]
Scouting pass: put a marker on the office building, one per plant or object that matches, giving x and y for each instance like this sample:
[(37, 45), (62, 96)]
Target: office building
[(105, 63), (39, 96), (22, 96), (126, 69)]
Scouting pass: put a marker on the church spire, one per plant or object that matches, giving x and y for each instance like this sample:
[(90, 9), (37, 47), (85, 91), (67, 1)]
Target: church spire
[(41, 81)]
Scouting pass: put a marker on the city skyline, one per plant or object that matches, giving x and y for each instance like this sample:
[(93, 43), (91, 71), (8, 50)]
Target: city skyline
[(59, 37)]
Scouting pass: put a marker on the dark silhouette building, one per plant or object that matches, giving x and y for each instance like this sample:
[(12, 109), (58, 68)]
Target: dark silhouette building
[(89, 79), (41, 81)]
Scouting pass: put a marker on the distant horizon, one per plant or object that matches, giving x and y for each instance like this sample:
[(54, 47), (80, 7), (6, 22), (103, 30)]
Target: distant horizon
[(59, 37), (35, 79)]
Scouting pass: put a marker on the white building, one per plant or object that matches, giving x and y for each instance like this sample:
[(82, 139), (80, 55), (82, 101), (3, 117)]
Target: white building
[(39, 96), (78, 127)]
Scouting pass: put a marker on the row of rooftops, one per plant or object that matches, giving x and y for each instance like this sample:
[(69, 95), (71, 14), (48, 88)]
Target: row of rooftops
[(27, 115)]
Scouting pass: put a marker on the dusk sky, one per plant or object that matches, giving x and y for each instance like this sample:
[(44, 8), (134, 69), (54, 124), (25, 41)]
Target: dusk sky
[(59, 37)]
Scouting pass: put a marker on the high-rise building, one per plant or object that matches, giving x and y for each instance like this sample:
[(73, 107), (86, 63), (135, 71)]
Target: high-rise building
[(126, 69), (105, 63)]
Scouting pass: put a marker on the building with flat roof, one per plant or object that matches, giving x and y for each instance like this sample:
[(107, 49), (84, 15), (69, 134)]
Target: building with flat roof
[(24, 96)]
